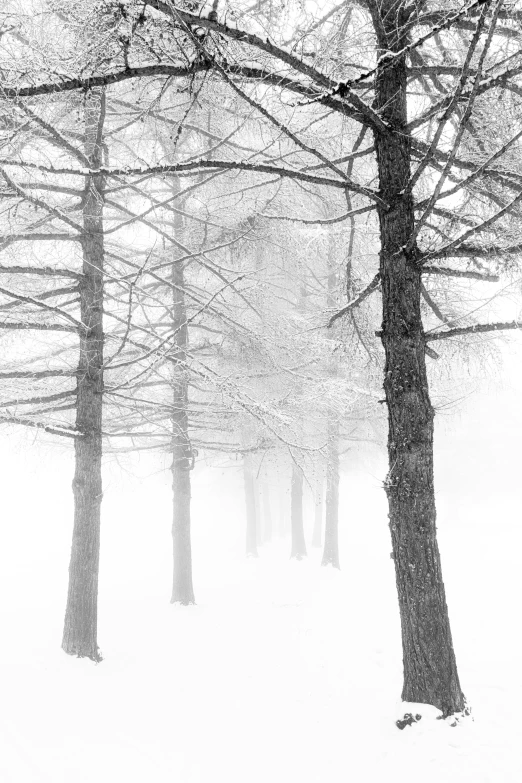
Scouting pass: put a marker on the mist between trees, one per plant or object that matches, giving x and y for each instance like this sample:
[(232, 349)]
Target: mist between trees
[(226, 226)]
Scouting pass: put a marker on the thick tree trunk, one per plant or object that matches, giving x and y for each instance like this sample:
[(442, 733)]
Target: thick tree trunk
[(80, 627), (430, 672), (267, 513), (317, 536), (182, 454), (331, 530), (251, 522), (296, 514)]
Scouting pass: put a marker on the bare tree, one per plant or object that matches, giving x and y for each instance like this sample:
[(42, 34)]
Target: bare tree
[(443, 194), (80, 628)]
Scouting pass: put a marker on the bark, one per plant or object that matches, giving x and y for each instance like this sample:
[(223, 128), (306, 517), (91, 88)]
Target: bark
[(331, 530), (182, 453), (296, 514), (267, 513), (251, 522), (318, 509), (80, 627), (430, 672)]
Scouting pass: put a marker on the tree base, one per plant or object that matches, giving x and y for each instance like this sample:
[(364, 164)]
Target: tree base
[(449, 700), (331, 563), (95, 657), (456, 718), (429, 712)]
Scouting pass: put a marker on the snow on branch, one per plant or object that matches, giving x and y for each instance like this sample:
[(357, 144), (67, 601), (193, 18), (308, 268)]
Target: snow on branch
[(194, 166), (320, 221), (6, 419), (39, 399), (45, 271), (37, 374), (475, 329), (279, 53), (467, 273), (370, 288), (89, 82), (388, 59), (37, 326), (474, 251), (38, 303)]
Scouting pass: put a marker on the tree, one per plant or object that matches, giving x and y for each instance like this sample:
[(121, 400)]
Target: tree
[(182, 453), (430, 673), (391, 67), (80, 627)]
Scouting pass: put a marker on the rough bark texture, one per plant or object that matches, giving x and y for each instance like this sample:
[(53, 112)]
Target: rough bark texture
[(251, 522), (331, 530), (80, 627), (182, 454), (430, 672), (317, 537), (296, 515)]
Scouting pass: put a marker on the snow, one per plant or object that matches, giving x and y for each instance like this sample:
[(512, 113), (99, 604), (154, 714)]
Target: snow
[(284, 671)]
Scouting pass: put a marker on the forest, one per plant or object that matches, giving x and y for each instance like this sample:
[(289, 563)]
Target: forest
[(260, 261)]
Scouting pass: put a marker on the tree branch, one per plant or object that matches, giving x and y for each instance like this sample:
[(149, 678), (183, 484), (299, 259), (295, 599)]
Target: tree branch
[(447, 272), (475, 329), (45, 271), (370, 288), (6, 419)]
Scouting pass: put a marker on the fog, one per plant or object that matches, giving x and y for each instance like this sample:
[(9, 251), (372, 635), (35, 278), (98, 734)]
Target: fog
[(283, 669), (260, 296)]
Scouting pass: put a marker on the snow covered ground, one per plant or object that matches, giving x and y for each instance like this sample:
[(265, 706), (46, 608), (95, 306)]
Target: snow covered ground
[(284, 671)]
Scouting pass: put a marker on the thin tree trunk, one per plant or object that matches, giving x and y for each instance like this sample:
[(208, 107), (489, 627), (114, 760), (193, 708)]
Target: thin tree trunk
[(182, 454), (331, 530), (267, 513), (318, 509), (80, 627), (257, 503), (282, 524), (251, 526), (430, 671), (296, 514)]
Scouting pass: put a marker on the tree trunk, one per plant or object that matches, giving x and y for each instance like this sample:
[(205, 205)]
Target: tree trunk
[(182, 454), (267, 513), (282, 518), (296, 514), (251, 526), (318, 508), (80, 627), (258, 513), (430, 671), (331, 530)]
